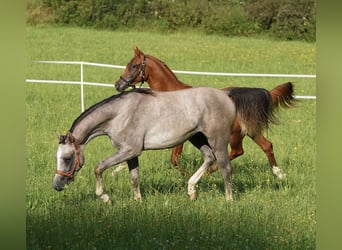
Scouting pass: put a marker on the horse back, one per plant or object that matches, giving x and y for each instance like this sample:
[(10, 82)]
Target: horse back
[(166, 119), (211, 106)]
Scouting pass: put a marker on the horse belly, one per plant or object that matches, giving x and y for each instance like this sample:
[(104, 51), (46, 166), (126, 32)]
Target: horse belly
[(167, 137)]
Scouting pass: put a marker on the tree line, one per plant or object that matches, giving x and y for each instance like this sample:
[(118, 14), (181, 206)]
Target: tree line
[(281, 19)]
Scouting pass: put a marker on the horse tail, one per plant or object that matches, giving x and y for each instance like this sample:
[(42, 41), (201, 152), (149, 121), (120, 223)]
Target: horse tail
[(255, 107), (282, 96)]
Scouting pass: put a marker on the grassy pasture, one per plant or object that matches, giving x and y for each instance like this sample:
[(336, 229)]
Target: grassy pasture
[(266, 213)]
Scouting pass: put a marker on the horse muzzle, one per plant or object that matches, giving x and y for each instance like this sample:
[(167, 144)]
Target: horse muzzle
[(60, 181), (57, 187), (121, 85)]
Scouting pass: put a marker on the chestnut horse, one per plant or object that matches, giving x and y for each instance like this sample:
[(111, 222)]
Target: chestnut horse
[(160, 77)]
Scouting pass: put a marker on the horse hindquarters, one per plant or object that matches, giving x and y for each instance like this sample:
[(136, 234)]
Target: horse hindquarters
[(220, 150), (219, 143), (213, 143), (221, 156)]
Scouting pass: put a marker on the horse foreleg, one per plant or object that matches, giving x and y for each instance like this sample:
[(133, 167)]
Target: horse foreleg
[(119, 168), (118, 157), (133, 166), (176, 153), (267, 147), (209, 158), (99, 188)]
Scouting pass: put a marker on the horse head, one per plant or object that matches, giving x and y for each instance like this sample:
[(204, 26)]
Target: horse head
[(134, 72), (69, 161)]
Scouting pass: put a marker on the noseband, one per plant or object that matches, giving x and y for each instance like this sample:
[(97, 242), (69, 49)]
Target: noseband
[(142, 74), (77, 163)]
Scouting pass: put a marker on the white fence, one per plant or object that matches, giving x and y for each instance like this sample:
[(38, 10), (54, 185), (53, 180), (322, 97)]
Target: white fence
[(82, 82)]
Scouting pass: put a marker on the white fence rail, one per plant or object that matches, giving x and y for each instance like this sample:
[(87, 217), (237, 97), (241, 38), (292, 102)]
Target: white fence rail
[(82, 82)]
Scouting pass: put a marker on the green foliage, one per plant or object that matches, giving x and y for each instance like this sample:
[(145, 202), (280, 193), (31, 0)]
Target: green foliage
[(229, 21), (287, 19), (284, 19), (266, 213)]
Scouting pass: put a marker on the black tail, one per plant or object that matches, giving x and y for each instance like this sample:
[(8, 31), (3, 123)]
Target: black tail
[(253, 109), (255, 106)]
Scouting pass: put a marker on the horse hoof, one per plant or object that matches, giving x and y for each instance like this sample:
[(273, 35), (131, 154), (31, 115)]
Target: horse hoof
[(229, 199), (192, 197), (277, 172), (105, 198), (138, 199), (282, 176)]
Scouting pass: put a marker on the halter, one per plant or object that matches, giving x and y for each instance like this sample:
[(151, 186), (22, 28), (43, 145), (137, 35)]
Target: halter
[(77, 163), (142, 74)]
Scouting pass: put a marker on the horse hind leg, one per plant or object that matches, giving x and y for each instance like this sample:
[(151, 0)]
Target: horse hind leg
[(226, 172), (218, 153), (267, 147), (209, 158), (176, 153), (236, 147)]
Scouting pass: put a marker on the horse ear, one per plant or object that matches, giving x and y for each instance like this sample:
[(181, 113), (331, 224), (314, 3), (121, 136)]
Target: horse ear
[(70, 138), (61, 138), (137, 51), (58, 135)]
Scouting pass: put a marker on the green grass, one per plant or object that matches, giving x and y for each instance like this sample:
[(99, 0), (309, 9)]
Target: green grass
[(266, 213)]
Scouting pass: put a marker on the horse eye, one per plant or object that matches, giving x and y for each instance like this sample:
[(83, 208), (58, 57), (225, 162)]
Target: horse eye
[(133, 66)]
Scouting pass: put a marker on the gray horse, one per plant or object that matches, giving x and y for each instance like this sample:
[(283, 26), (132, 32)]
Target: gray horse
[(143, 119)]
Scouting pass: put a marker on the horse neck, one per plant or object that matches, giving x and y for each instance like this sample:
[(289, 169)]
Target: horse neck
[(91, 125), (161, 78)]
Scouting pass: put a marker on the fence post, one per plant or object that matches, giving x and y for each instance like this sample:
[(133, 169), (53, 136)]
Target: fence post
[(82, 94)]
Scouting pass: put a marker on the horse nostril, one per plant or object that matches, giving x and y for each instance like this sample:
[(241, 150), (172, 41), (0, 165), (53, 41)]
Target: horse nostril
[(118, 86), (57, 188)]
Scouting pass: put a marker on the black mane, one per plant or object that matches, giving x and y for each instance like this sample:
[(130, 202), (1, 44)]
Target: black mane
[(107, 100)]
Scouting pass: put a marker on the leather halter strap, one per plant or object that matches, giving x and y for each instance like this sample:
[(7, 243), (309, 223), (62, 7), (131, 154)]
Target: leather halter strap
[(142, 71), (142, 74), (77, 163)]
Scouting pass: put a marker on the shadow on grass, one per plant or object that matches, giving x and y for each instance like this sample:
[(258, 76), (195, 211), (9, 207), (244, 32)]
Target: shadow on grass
[(247, 177), (154, 225)]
